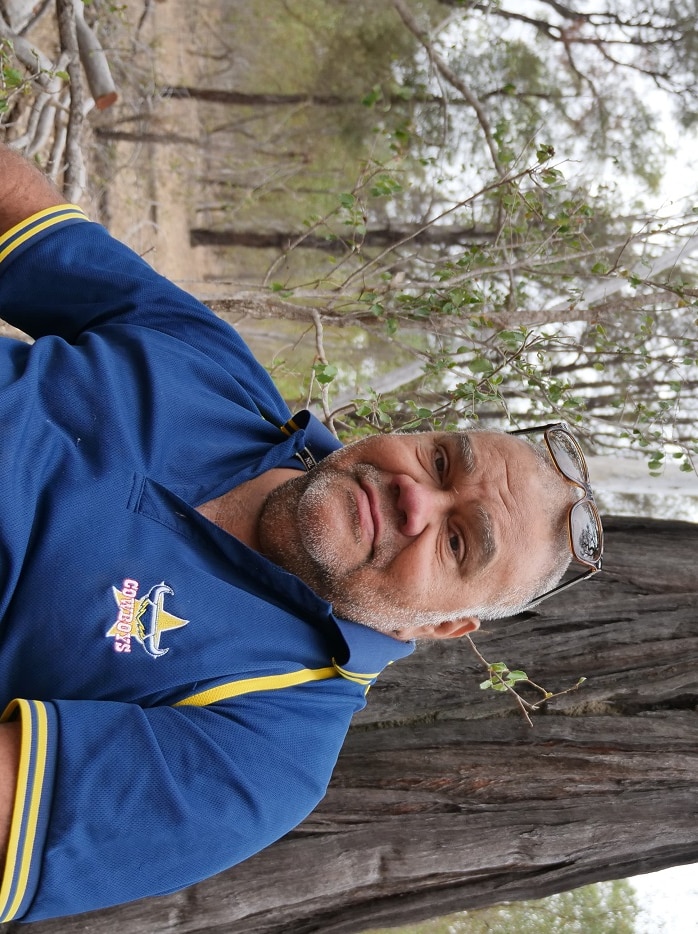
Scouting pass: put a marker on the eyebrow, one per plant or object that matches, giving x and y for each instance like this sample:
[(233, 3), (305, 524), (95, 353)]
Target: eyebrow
[(483, 521), (465, 449), (486, 536)]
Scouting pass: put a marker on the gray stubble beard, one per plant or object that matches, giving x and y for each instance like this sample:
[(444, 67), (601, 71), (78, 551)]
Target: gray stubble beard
[(305, 551)]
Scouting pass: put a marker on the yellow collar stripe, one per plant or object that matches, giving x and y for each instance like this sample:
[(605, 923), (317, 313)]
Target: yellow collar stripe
[(356, 676)]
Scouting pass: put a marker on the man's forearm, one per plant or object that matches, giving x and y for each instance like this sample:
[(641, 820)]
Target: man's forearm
[(9, 762), (24, 190)]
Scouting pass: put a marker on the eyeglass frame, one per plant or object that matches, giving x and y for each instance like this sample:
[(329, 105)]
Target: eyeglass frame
[(584, 485)]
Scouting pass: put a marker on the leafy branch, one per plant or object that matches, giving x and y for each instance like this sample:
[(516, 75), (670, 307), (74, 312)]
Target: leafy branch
[(506, 680)]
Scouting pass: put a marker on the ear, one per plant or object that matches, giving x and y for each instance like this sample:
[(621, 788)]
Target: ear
[(448, 629)]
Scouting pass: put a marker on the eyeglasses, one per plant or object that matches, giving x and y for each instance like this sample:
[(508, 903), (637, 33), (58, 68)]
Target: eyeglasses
[(584, 521)]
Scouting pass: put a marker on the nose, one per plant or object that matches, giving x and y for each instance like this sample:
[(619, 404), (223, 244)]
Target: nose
[(417, 504)]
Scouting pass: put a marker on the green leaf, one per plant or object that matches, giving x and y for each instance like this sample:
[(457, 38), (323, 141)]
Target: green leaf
[(517, 676), (324, 372), (478, 365), (373, 96), (12, 77)]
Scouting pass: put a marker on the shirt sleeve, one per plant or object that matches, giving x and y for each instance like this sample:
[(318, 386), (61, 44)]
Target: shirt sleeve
[(31, 806), (62, 275), (116, 802)]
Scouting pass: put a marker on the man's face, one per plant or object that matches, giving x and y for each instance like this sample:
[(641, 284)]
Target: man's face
[(399, 531)]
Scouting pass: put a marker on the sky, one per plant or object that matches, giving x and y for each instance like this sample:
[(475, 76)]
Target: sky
[(669, 899)]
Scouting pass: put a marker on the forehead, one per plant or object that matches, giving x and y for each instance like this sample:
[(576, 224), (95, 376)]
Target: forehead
[(471, 449), (516, 492)]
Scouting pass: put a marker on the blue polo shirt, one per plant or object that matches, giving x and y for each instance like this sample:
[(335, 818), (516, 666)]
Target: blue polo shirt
[(182, 700)]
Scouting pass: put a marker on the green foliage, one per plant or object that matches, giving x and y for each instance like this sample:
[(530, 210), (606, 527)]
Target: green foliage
[(503, 679), (475, 241), (12, 79), (465, 310), (604, 908)]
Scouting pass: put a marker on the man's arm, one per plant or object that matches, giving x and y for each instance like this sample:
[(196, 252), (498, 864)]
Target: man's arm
[(9, 762), (24, 190)]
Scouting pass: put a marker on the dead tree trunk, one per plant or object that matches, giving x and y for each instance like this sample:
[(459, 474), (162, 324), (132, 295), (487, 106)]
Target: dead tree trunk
[(438, 234), (445, 799)]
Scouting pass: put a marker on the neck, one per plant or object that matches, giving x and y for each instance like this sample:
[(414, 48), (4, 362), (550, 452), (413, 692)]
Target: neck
[(237, 512)]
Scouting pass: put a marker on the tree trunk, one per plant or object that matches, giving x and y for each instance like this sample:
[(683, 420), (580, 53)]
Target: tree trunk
[(440, 235), (247, 99), (445, 799)]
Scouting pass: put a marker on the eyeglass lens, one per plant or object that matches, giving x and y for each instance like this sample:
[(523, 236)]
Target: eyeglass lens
[(585, 528), (585, 532), (569, 458)]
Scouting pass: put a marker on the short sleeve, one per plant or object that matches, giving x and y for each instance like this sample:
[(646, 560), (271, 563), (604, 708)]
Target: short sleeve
[(31, 806), (65, 276), (148, 801)]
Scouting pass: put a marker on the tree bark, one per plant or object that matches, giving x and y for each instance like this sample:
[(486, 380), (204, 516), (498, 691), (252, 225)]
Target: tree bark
[(444, 799)]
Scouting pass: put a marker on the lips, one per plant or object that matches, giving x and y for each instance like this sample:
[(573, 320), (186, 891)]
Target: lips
[(369, 513)]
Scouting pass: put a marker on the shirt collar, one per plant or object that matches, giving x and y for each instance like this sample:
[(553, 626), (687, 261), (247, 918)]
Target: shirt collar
[(368, 651), (313, 440)]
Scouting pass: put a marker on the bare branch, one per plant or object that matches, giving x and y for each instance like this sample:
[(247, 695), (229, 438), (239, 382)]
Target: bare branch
[(73, 181), (94, 61), (452, 78)]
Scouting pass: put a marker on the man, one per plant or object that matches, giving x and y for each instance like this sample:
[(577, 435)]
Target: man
[(195, 589)]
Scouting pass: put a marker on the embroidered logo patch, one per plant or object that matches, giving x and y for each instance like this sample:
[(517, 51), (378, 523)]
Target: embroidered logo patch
[(142, 619)]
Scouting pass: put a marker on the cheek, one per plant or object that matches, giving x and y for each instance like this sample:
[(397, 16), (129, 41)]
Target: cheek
[(400, 585)]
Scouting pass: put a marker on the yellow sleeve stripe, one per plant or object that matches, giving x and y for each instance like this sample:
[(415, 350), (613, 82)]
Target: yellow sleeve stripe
[(251, 685), (25, 815), (36, 224)]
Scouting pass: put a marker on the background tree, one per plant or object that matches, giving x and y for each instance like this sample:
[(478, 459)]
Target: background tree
[(414, 176), (605, 908)]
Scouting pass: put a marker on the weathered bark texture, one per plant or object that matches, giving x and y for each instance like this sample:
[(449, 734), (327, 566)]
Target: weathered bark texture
[(445, 799)]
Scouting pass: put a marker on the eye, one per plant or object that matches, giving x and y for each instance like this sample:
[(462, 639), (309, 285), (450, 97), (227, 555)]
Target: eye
[(440, 462), (456, 545)]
